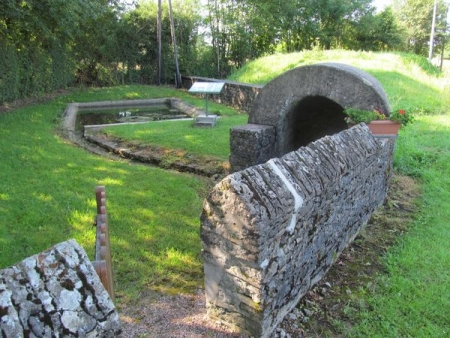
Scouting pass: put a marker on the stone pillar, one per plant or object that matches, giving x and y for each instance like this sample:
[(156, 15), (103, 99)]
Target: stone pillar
[(251, 144)]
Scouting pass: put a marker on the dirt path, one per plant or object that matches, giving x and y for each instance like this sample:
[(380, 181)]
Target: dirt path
[(10, 106)]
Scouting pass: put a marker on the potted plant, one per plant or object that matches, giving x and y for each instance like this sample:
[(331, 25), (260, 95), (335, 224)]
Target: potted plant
[(401, 116), (379, 123), (355, 116)]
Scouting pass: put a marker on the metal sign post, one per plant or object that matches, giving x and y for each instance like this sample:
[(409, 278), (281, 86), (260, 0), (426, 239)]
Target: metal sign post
[(206, 104), (206, 88)]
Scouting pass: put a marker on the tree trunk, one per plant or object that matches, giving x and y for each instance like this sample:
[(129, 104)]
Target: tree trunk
[(158, 33), (175, 51)]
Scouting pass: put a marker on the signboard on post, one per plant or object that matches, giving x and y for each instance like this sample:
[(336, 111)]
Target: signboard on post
[(206, 88)]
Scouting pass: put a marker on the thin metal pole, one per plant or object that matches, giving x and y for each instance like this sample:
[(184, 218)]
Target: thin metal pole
[(158, 33), (175, 51)]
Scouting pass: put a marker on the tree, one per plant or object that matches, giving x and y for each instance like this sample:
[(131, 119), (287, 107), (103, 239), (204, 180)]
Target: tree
[(39, 40), (415, 18), (95, 45), (241, 30), (139, 40), (175, 47), (379, 32)]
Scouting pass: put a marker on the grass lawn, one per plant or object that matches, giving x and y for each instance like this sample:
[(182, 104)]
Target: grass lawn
[(413, 298), (47, 196), (182, 135)]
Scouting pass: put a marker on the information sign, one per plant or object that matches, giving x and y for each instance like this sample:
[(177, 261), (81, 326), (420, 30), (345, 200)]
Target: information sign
[(207, 87)]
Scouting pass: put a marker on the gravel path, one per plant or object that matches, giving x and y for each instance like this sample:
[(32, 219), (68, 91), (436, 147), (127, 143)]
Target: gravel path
[(171, 316), (184, 316)]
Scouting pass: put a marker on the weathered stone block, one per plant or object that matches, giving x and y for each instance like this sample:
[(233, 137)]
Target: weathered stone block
[(206, 120), (251, 144), (56, 293)]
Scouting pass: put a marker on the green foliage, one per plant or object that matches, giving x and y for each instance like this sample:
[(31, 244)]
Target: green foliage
[(360, 115), (244, 30), (402, 116), (138, 46), (415, 19), (355, 116), (39, 40), (51, 44), (379, 32)]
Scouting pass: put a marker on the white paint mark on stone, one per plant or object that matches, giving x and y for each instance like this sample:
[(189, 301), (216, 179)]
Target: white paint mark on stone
[(298, 200)]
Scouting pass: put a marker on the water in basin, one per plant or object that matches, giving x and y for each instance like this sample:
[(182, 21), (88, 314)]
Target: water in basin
[(99, 116)]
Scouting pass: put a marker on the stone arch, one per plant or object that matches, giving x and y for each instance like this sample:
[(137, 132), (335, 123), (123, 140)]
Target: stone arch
[(307, 103), (310, 119)]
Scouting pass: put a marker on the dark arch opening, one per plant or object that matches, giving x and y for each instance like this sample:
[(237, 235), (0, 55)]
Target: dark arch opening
[(310, 119)]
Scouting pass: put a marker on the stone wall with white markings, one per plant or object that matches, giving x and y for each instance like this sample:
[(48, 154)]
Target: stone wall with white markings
[(56, 293), (271, 231)]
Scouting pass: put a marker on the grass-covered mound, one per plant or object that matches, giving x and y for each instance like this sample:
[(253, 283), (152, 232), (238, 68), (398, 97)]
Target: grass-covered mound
[(410, 81)]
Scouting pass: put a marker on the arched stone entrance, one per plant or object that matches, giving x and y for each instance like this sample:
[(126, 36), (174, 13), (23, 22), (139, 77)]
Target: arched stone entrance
[(310, 119), (301, 106)]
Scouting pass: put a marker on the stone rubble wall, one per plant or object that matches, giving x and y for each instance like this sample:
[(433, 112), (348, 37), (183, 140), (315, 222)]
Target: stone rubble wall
[(235, 94), (271, 231), (56, 293)]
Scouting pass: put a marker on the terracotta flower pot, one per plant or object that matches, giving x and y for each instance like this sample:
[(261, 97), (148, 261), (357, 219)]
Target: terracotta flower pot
[(384, 127)]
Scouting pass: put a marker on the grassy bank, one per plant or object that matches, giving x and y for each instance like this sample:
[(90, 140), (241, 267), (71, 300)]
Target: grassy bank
[(181, 135), (412, 299), (409, 80)]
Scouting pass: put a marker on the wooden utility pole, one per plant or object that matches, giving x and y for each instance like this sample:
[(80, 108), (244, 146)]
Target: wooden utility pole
[(433, 28), (175, 51), (158, 33)]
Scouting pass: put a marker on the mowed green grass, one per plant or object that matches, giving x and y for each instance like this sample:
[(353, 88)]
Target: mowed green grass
[(412, 299), (47, 196), (409, 80), (183, 135)]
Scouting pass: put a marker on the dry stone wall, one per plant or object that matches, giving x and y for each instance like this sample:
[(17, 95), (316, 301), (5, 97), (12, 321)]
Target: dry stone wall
[(56, 293), (271, 231)]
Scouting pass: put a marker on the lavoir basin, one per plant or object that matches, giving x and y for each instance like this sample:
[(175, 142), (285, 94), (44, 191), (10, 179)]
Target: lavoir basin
[(93, 115)]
